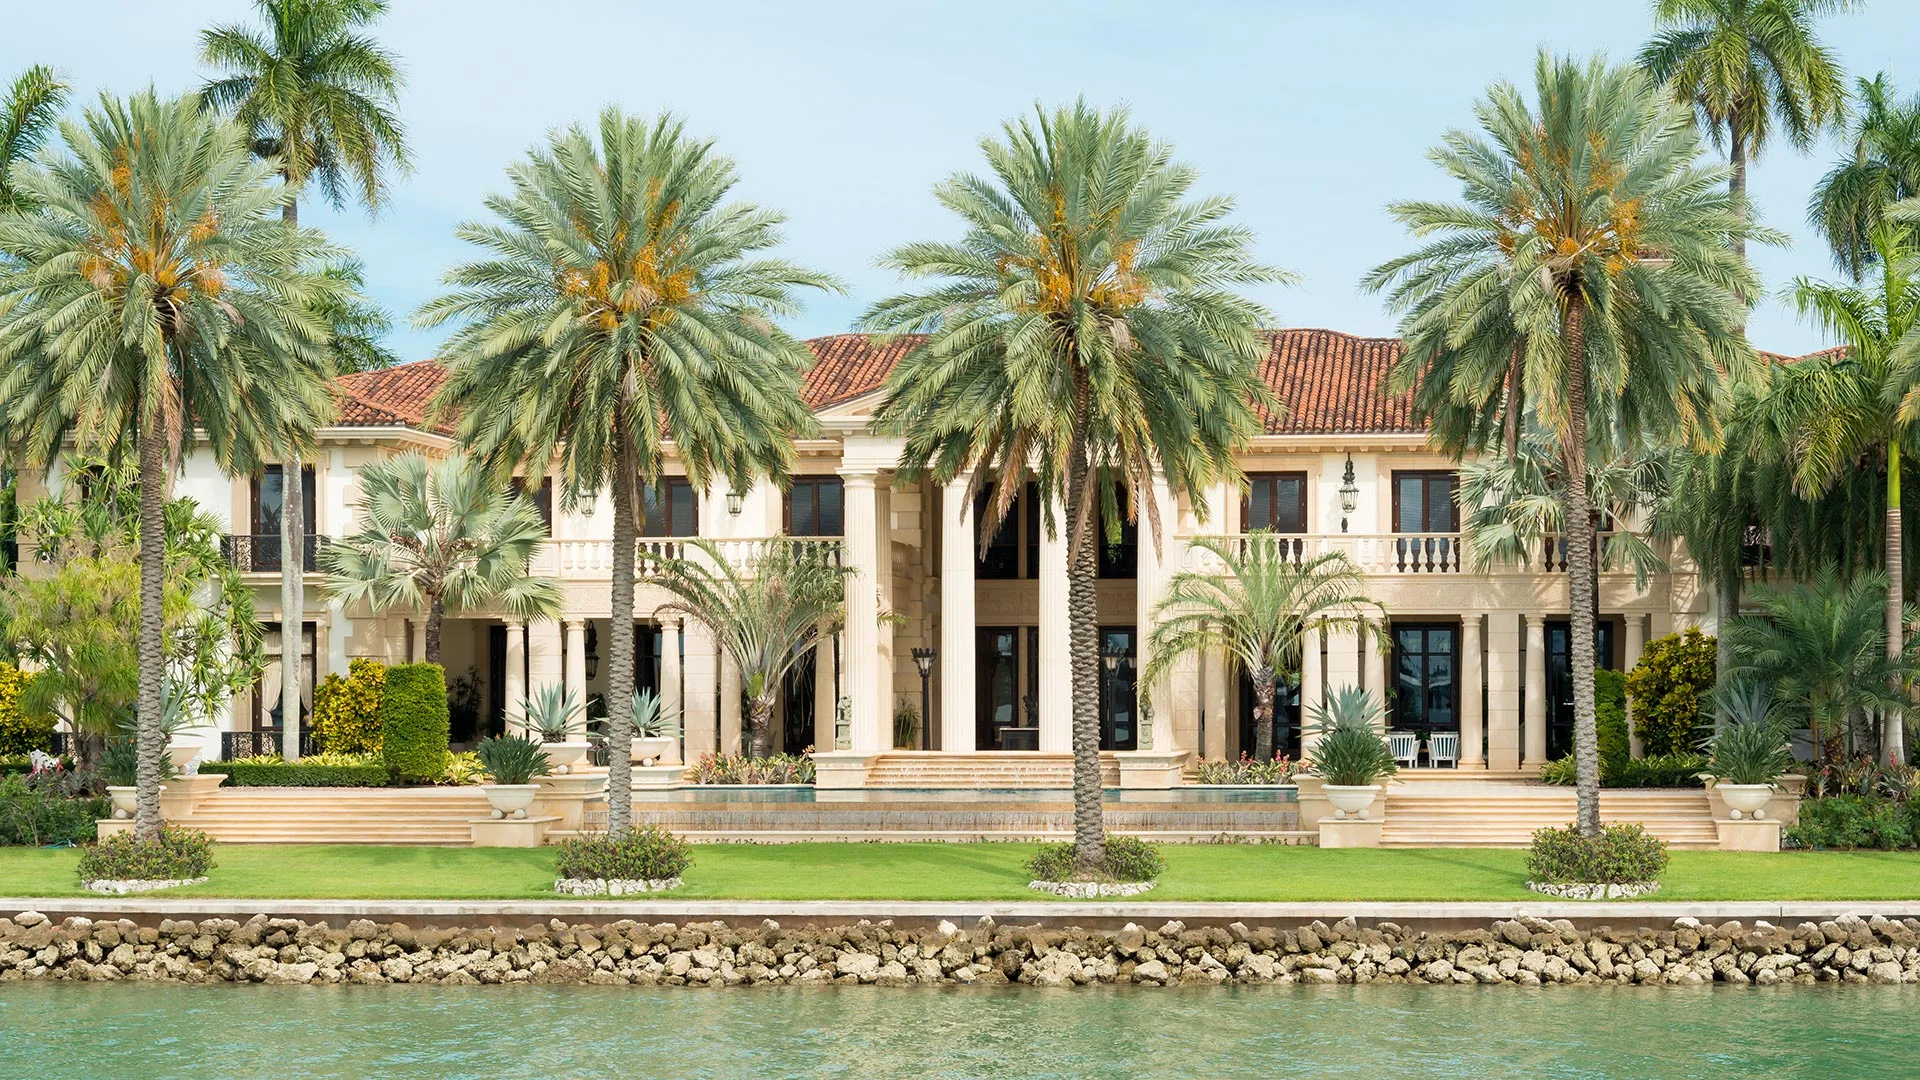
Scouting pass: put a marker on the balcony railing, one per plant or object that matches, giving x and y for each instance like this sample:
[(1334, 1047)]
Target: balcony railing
[(264, 742), (260, 553), (1398, 553), (594, 558)]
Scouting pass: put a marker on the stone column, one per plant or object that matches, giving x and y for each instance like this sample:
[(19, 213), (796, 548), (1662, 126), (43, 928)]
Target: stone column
[(1055, 692), (1213, 700), (514, 680), (1157, 561), (733, 740), (823, 699), (1313, 679), (700, 674), (1503, 691), (1343, 658), (958, 543), (543, 653), (1375, 656), (671, 704), (1636, 645), (1470, 684), (576, 666), (862, 681), (1536, 700)]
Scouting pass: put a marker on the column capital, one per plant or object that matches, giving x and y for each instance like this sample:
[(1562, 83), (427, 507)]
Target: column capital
[(859, 477)]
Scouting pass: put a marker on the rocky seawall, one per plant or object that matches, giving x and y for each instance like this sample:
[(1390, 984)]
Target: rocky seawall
[(1519, 952)]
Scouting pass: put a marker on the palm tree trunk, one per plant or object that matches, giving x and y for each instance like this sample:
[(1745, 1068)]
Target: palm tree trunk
[(436, 620), (759, 717), (1083, 650), (1580, 562), (1893, 732), (1729, 603), (620, 636), (1263, 694), (148, 739), (293, 554)]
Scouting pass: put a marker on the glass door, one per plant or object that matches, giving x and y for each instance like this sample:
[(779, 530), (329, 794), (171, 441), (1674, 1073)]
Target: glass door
[(1286, 717), (1119, 700), (997, 693), (1425, 691), (1560, 681)]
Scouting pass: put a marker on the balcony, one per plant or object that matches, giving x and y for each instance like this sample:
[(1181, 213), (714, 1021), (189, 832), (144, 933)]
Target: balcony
[(1395, 554), (593, 559), (260, 553)]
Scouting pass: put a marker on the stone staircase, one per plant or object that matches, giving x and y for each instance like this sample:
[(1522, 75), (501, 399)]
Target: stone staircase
[(1480, 813), (257, 815), (1015, 771)]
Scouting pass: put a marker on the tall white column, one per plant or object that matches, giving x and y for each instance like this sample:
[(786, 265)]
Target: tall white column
[(1636, 644), (958, 543), (1313, 679), (1470, 688), (1214, 672), (1055, 692), (1343, 658), (862, 681), (543, 653), (670, 696), (1375, 653), (576, 667), (732, 739), (1536, 699), (1149, 578), (885, 598), (699, 703), (514, 681), (1503, 691), (823, 699)]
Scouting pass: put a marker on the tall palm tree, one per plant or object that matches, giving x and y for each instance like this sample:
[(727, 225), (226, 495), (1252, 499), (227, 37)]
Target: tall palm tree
[(1590, 238), (623, 305), (1258, 609), (1827, 414), (437, 536), (1087, 324), (1851, 199), (765, 612), (359, 325), (319, 98), (27, 114), (1745, 66), (198, 323)]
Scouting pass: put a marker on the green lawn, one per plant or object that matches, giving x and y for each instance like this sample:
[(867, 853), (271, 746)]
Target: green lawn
[(984, 872)]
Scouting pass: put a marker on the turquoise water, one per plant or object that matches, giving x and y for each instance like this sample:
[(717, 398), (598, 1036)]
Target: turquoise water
[(129, 1032)]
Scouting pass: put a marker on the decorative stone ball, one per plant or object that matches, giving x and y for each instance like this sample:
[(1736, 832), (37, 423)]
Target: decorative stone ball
[(120, 815), (520, 814), (498, 814), (561, 770)]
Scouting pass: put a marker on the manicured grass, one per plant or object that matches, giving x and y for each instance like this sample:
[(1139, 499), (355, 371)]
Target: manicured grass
[(984, 872)]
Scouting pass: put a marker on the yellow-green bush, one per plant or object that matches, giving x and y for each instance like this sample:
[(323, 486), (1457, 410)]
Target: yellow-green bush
[(1666, 689), (413, 722), (346, 711), (19, 733)]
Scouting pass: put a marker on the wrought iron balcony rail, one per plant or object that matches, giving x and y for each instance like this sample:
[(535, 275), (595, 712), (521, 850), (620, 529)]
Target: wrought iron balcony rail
[(261, 553)]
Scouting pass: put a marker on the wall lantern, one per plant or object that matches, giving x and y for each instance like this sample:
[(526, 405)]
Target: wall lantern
[(1349, 494), (593, 651), (734, 500), (923, 659)]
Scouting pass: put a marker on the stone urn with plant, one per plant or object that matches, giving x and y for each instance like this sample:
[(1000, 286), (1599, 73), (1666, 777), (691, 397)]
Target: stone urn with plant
[(554, 717), (656, 729), (120, 765), (1350, 755), (1751, 752), (512, 762)]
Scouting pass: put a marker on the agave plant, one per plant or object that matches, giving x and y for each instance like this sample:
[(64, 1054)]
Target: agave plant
[(511, 759), (652, 719), (553, 714), (1350, 751)]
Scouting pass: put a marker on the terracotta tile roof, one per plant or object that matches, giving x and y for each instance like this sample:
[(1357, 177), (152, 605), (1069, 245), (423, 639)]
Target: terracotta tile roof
[(397, 396), (851, 366)]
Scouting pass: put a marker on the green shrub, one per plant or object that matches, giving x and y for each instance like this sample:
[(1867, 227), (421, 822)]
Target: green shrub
[(19, 733), (120, 762), (38, 812), (511, 759), (463, 769), (414, 724), (346, 711), (1667, 687), (1610, 718), (649, 853), (1245, 771), (740, 769), (177, 854), (1350, 751), (1128, 858), (1623, 854), (1667, 770), (302, 773), (1856, 821), (1751, 753)]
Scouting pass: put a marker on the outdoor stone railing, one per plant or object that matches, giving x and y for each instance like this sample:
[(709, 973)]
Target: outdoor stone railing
[(1392, 553), (593, 559)]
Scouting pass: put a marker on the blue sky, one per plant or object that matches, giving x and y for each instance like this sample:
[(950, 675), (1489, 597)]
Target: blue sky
[(1313, 115)]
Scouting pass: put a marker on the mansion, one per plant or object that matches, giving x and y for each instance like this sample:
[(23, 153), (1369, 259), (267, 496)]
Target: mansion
[(1479, 653)]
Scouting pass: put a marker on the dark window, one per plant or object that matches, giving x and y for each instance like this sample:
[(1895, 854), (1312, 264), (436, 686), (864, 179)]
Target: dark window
[(541, 497), (669, 509), (1560, 680), (1120, 548), (1286, 716), (997, 689), (1425, 690), (265, 708), (1030, 500), (1001, 559), (1423, 503), (814, 507), (267, 502), (1276, 501), (1119, 690)]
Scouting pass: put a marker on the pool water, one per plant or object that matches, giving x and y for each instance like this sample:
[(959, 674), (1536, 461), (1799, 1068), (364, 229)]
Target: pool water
[(148, 1032)]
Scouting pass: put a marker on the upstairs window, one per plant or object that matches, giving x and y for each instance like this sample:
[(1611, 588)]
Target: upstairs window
[(1276, 501), (541, 496), (814, 507), (669, 508), (1423, 503)]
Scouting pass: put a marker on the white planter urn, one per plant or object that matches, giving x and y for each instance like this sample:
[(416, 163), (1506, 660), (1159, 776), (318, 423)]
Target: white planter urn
[(510, 800), (1350, 800), (1748, 799), (182, 755), (124, 800), (565, 757), (650, 749)]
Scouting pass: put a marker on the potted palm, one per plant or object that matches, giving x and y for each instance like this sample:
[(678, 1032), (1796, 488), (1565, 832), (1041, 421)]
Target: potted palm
[(553, 717), (656, 729), (512, 762), (1350, 755), (120, 764), (1751, 751)]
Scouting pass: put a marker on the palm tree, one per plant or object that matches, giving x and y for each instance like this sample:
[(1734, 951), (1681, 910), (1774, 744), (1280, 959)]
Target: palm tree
[(319, 99), (440, 535), (1745, 65), (1850, 201), (1258, 610), (765, 613), (197, 324), (622, 305), (1821, 645), (1086, 323), (360, 326), (1824, 416), (27, 114), (1590, 239)]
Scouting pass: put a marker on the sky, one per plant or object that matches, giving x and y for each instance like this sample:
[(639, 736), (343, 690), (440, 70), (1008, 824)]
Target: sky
[(843, 115)]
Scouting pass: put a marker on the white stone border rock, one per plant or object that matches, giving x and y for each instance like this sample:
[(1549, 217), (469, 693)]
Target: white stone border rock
[(1089, 890), (138, 885), (1595, 890), (613, 886)]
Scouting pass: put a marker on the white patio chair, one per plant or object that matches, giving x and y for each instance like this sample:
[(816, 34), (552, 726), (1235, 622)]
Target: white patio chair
[(1405, 746), (1443, 746)]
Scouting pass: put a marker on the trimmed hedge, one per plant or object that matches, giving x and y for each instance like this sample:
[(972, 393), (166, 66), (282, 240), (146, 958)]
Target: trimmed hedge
[(414, 723), (1128, 859), (346, 711), (647, 853), (297, 774), (177, 855), (1622, 854)]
